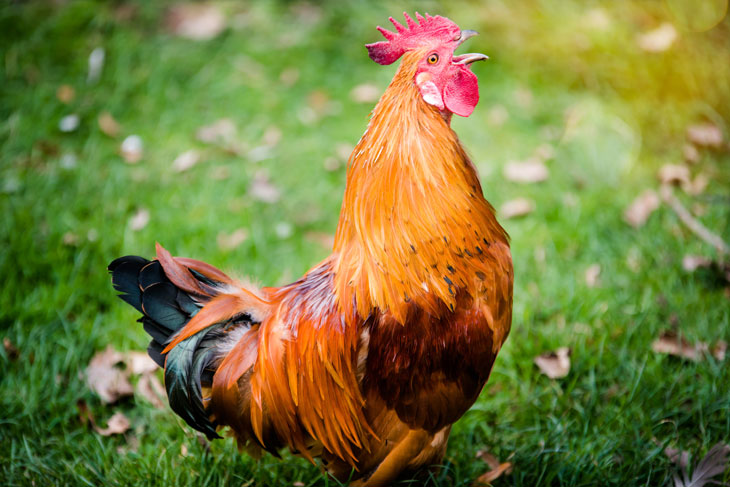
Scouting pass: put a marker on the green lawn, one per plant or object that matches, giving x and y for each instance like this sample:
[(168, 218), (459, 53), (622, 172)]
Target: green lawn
[(569, 74)]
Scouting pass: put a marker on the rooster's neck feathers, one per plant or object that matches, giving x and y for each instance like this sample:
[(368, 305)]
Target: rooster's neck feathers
[(414, 226)]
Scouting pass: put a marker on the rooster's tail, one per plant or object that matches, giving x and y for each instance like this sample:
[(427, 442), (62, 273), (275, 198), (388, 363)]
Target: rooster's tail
[(194, 314)]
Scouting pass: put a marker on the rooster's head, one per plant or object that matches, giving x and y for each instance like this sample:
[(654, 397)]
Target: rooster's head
[(444, 80)]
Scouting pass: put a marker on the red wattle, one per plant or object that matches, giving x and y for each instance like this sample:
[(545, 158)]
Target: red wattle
[(461, 93)]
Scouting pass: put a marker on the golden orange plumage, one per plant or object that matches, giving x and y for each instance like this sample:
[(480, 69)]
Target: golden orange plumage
[(367, 360)]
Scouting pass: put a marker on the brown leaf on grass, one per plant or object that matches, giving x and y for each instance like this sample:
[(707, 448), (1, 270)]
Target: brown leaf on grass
[(222, 131), (691, 263), (674, 174), (641, 208), (713, 464), (691, 154), (132, 149), (139, 363), (591, 275), (532, 170), (365, 93), (697, 186), (705, 135), (719, 350), (488, 458), (116, 425), (150, 388), (10, 350), (671, 344), (262, 189), (105, 376), (516, 208), (677, 456), (139, 220), (108, 125), (85, 416), (65, 94), (186, 160), (230, 241), (196, 21), (659, 39), (496, 469), (555, 365)]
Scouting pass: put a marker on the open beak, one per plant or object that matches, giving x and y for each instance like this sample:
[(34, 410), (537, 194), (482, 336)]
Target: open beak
[(472, 56), (469, 58)]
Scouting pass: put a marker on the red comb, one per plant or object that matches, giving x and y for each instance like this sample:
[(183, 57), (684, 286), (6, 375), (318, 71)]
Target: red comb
[(427, 30)]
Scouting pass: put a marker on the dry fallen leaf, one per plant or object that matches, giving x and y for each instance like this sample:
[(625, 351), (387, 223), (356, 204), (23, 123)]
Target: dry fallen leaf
[(139, 220), (233, 240), (196, 21), (714, 463), (365, 93), (65, 94), (641, 208), (132, 149), (496, 469), (262, 189), (116, 425), (673, 174), (719, 350), (672, 344), (697, 186), (105, 378), (705, 135), (150, 388), (659, 39), (139, 363), (677, 456), (108, 125), (591, 275), (554, 364), (10, 350), (186, 160), (691, 263), (516, 208), (532, 170), (691, 154), (222, 131), (488, 458)]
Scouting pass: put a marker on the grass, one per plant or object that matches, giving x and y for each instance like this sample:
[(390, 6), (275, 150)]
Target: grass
[(606, 423)]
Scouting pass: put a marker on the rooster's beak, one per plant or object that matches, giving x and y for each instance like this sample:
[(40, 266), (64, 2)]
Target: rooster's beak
[(469, 58), (466, 34)]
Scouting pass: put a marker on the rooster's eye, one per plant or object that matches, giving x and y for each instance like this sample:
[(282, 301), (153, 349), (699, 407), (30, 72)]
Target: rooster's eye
[(433, 58)]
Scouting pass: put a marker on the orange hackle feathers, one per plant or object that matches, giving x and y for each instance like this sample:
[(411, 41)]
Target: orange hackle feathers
[(408, 177)]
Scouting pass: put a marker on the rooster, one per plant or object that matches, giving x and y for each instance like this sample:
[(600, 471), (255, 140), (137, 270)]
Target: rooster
[(366, 361)]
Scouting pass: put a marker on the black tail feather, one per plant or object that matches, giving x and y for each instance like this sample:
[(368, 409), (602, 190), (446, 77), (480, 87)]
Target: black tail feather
[(166, 309)]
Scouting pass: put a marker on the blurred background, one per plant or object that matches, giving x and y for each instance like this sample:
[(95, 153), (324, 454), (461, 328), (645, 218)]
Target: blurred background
[(222, 130)]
